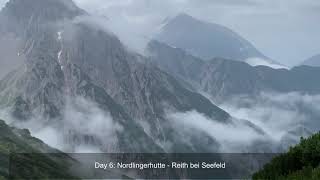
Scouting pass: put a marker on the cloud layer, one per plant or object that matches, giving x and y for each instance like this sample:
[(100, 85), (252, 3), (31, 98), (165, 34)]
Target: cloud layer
[(232, 138), (285, 30), (84, 128), (278, 113), (276, 121)]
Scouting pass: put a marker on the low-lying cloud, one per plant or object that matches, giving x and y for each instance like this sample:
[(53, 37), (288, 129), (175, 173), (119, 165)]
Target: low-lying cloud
[(270, 122), (289, 42), (84, 128), (232, 137), (277, 113)]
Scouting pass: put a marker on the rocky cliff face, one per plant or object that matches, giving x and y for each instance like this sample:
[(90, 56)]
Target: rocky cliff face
[(66, 58), (41, 88)]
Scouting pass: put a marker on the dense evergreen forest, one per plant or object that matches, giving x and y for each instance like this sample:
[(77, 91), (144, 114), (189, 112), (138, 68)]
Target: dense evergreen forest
[(301, 162)]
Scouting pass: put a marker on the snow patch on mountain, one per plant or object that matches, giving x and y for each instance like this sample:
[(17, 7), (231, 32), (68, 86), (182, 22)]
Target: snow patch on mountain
[(256, 61), (59, 34)]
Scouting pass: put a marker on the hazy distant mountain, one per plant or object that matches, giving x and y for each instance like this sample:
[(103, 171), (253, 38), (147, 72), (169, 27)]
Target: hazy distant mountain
[(313, 61), (223, 79), (206, 40), (66, 58)]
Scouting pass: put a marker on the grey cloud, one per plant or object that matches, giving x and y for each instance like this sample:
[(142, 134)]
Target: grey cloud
[(285, 30), (284, 118), (233, 138), (81, 119), (278, 113), (3, 2)]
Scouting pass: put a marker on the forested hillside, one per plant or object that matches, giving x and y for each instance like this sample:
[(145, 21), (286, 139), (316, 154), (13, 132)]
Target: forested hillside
[(301, 162)]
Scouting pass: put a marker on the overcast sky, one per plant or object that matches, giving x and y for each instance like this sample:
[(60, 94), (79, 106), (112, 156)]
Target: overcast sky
[(287, 31)]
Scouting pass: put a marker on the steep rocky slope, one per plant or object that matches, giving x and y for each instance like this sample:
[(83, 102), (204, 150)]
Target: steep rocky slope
[(66, 56), (222, 79)]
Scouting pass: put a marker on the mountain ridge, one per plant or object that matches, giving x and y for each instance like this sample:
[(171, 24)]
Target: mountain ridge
[(18, 144), (212, 40), (75, 59), (312, 61), (223, 78)]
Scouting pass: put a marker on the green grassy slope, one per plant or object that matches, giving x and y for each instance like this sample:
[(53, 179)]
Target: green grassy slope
[(25, 155)]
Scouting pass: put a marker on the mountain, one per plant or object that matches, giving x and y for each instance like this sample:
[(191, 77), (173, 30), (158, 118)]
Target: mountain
[(40, 87), (207, 40), (233, 83), (8, 50), (67, 57), (313, 61), (25, 148), (223, 79), (23, 17), (301, 162)]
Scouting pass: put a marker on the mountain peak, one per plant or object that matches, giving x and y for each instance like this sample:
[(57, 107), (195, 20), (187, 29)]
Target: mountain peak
[(183, 16), (25, 16), (205, 39), (313, 61), (42, 10)]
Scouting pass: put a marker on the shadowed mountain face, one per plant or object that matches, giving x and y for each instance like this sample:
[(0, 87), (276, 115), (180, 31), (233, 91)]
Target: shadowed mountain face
[(223, 79), (206, 40), (313, 61), (65, 59)]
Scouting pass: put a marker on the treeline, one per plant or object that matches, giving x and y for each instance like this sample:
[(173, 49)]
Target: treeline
[(301, 162)]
